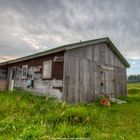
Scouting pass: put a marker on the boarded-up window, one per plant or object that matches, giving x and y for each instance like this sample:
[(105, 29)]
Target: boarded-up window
[(47, 69), (24, 71)]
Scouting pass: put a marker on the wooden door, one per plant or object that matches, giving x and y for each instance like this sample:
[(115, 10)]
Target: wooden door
[(107, 82)]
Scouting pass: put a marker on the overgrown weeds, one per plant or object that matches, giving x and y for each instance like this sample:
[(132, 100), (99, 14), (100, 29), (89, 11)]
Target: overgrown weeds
[(25, 116)]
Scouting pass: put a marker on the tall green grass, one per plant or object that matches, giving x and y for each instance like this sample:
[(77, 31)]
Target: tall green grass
[(24, 116)]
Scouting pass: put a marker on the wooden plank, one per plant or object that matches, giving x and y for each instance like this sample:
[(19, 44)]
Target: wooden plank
[(96, 53)]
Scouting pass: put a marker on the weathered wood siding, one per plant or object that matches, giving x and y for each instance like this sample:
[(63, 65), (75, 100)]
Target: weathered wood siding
[(91, 72), (120, 81), (3, 78), (51, 86)]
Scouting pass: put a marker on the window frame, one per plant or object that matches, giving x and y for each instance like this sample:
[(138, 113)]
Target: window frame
[(50, 64), (26, 72)]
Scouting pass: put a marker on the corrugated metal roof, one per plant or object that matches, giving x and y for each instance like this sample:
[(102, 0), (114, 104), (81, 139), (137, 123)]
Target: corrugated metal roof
[(72, 46)]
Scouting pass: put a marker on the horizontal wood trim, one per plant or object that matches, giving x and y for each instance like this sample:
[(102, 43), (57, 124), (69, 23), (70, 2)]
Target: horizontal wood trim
[(107, 67)]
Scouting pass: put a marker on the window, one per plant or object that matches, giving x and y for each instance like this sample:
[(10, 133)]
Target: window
[(47, 69), (24, 71)]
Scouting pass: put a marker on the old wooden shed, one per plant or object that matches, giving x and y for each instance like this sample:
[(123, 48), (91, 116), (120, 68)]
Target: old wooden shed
[(79, 72)]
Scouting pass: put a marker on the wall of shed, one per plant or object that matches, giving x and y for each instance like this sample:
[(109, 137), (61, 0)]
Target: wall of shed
[(3, 78), (52, 86), (82, 73)]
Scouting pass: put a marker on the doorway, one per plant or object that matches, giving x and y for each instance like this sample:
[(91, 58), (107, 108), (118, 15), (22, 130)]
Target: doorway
[(107, 82)]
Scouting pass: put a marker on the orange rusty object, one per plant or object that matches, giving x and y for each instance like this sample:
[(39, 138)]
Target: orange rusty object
[(105, 102)]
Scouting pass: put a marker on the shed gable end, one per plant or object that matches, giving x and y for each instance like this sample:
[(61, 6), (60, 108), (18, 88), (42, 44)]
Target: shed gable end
[(91, 72)]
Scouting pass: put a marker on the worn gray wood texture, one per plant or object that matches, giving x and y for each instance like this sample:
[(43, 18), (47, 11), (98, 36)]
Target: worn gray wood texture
[(3, 76), (3, 73), (91, 72), (41, 87)]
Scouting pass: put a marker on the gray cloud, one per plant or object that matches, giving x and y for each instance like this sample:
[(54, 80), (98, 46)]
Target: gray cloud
[(31, 26)]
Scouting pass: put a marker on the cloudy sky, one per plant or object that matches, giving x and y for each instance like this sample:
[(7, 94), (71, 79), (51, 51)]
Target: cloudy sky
[(29, 26)]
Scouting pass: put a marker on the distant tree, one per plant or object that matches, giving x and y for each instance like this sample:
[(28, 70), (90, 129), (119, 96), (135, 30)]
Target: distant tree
[(133, 79)]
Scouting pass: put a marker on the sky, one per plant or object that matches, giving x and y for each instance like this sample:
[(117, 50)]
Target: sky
[(30, 26)]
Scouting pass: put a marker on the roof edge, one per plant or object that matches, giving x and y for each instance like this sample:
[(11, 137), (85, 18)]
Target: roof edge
[(68, 47), (122, 59)]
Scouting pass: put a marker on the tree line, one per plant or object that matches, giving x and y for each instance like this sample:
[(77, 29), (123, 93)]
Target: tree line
[(133, 78)]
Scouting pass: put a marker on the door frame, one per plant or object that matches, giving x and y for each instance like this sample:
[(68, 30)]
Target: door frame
[(103, 80)]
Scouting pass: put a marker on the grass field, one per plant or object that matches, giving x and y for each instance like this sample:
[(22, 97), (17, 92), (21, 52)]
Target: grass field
[(27, 117)]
